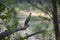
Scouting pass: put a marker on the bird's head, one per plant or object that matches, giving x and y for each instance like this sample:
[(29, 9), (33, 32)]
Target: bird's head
[(30, 13)]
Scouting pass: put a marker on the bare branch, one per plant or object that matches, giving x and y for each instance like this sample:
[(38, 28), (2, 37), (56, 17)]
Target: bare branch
[(7, 33), (33, 34)]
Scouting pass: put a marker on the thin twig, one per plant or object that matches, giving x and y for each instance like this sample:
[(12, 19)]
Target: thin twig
[(32, 34)]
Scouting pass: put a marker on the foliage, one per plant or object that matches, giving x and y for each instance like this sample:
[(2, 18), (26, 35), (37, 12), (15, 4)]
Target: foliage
[(8, 18), (8, 2), (2, 7)]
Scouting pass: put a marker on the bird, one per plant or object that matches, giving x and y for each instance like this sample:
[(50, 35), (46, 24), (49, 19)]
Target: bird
[(27, 19)]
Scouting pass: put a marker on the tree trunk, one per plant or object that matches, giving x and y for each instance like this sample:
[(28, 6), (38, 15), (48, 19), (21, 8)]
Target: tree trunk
[(55, 20)]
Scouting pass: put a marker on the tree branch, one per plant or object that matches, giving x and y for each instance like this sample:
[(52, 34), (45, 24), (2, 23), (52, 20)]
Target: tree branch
[(7, 33), (33, 34)]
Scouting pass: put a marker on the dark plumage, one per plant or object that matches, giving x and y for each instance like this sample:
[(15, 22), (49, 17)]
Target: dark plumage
[(27, 19)]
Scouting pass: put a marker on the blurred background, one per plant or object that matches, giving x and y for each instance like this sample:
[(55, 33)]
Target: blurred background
[(13, 14)]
